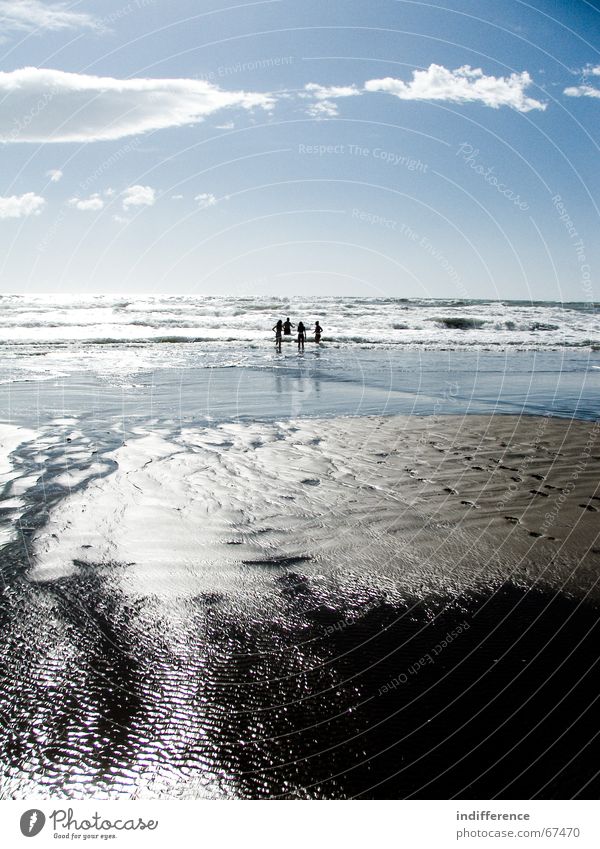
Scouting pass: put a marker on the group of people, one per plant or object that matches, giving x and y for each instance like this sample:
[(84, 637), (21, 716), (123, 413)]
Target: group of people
[(284, 328)]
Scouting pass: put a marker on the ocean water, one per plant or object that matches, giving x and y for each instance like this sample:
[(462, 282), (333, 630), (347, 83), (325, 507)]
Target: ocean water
[(56, 335), (213, 358)]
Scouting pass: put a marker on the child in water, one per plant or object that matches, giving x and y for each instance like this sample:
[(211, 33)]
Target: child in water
[(318, 331), (301, 335), (278, 331)]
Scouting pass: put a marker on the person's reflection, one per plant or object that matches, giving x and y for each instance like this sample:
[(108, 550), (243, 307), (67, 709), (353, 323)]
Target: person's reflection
[(278, 384), (316, 376), (301, 392), (297, 391)]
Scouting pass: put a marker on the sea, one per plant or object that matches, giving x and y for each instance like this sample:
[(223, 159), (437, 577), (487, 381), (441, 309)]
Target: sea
[(138, 354)]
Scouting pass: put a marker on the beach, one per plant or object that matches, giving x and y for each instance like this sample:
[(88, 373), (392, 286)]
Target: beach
[(358, 606), (365, 571)]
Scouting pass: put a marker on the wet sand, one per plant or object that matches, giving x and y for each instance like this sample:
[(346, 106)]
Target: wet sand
[(375, 607)]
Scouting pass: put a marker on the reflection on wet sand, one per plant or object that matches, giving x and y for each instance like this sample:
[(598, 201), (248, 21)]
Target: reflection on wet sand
[(307, 609)]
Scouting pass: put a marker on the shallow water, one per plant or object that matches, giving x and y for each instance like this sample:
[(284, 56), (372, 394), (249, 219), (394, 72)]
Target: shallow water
[(363, 382)]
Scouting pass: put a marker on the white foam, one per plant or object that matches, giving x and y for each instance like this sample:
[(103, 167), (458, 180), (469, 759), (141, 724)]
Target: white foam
[(109, 335)]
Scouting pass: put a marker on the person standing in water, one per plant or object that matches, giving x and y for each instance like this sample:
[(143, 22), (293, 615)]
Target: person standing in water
[(301, 336), (287, 326), (278, 331), (318, 331)]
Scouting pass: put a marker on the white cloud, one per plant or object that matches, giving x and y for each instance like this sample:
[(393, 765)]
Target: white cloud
[(92, 204), (436, 83), (21, 206), (55, 175), (43, 105), (29, 15), (138, 196), (176, 197), (324, 96), (461, 85), (582, 91), (323, 109), (205, 200), (131, 197), (228, 125), (322, 92)]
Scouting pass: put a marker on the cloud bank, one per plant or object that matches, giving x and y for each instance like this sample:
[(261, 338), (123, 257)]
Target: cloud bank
[(44, 105), (462, 85), (21, 206)]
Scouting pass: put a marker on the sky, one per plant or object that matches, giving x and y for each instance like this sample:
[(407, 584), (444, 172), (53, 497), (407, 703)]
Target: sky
[(288, 147)]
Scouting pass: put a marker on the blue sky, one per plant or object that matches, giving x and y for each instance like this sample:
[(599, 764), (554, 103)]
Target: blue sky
[(445, 149)]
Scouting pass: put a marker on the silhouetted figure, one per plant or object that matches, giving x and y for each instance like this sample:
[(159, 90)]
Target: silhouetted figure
[(278, 331), (287, 326), (318, 331), (301, 335)]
